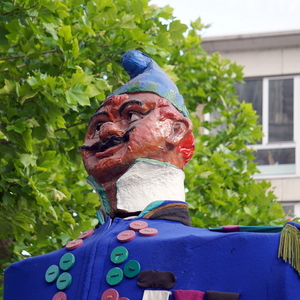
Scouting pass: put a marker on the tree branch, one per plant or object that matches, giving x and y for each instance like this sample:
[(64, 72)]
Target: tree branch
[(31, 99), (7, 69), (105, 60), (23, 55), (18, 9)]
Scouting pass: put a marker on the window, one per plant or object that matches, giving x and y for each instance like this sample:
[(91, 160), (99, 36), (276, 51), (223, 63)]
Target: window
[(291, 209), (276, 100)]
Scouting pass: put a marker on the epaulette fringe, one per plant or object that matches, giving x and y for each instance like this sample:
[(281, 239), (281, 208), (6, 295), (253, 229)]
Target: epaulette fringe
[(289, 247)]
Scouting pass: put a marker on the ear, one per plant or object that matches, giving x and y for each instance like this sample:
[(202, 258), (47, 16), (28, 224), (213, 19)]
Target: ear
[(179, 132)]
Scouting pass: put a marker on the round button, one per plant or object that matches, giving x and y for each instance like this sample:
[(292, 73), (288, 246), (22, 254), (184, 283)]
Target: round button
[(126, 236), (74, 244), (114, 276), (119, 255), (148, 232), (132, 268), (52, 273), (64, 281), (86, 234), (110, 294), (60, 296), (138, 225), (67, 261)]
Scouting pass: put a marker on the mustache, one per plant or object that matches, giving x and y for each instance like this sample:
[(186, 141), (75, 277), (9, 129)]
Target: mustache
[(112, 141)]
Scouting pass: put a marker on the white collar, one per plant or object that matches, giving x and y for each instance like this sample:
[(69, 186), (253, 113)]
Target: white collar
[(148, 180)]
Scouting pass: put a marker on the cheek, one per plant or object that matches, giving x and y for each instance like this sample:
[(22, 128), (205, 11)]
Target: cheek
[(150, 135), (86, 157)]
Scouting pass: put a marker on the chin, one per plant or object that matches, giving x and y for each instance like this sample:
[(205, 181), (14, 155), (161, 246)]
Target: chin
[(108, 170)]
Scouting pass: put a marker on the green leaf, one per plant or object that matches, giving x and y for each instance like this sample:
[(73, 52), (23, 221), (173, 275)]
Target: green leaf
[(8, 199), (197, 24), (27, 160), (92, 91), (58, 195), (26, 135), (127, 21), (76, 95), (9, 87), (65, 32), (205, 174), (52, 29), (75, 48), (177, 29), (103, 3), (3, 38), (169, 71)]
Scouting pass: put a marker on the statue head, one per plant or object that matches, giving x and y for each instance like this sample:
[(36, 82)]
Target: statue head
[(145, 118)]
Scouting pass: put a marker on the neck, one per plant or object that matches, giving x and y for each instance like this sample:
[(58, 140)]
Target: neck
[(147, 180)]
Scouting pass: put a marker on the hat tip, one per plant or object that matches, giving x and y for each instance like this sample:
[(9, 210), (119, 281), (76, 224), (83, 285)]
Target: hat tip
[(135, 62)]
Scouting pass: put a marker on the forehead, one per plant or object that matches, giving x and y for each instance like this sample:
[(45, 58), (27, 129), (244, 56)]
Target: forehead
[(116, 101)]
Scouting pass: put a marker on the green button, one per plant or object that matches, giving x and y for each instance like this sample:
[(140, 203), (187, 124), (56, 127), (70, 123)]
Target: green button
[(52, 273), (64, 281), (132, 268), (119, 255), (114, 276), (67, 261)]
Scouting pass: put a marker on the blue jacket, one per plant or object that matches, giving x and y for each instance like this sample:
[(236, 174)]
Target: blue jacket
[(183, 257)]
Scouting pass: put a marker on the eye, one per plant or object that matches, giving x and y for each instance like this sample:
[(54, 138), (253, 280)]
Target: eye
[(133, 116), (97, 129)]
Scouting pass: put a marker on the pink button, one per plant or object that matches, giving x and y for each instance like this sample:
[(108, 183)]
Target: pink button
[(138, 225), (86, 234), (74, 244), (110, 294), (60, 296), (231, 228), (148, 232), (126, 236)]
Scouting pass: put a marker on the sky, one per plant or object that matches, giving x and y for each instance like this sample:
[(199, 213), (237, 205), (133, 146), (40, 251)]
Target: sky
[(235, 17)]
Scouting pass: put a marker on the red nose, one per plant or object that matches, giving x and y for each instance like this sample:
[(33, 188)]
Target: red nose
[(109, 129)]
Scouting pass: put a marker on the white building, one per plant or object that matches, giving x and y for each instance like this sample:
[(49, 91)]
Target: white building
[(272, 74)]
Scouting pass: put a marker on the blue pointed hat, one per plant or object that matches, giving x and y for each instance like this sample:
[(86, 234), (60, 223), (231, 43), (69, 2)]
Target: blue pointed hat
[(147, 76)]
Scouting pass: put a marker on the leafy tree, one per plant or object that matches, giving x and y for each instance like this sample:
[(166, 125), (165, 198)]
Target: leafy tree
[(220, 176), (58, 61)]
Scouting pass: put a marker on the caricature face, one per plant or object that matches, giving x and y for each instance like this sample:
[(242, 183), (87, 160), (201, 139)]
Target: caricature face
[(123, 129)]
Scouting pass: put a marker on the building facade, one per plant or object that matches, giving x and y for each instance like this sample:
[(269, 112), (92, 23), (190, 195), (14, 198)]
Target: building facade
[(272, 84)]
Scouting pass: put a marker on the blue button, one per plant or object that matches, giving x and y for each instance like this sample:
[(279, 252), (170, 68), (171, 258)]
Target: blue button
[(64, 281), (52, 273), (114, 276), (67, 261), (132, 268), (119, 255)]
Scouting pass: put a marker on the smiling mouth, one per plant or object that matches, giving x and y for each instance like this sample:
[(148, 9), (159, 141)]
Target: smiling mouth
[(101, 147)]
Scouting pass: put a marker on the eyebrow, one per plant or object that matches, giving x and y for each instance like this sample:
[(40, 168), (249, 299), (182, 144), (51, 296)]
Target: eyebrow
[(122, 107), (120, 110), (103, 113)]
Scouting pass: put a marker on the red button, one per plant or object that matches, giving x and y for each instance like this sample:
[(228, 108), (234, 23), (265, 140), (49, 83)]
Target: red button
[(74, 244), (110, 294), (126, 236), (148, 232), (60, 296), (86, 234), (138, 225)]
